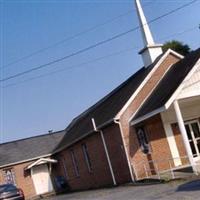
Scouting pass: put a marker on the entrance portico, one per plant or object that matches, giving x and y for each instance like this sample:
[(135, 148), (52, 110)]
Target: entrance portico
[(40, 173), (177, 100), (186, 114)]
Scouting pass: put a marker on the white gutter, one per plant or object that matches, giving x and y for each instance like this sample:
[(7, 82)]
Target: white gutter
[(42, 161), (148, 115), (85, 135), (23, 161)]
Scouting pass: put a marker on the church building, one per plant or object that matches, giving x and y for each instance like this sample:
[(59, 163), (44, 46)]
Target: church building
[(147, 127)]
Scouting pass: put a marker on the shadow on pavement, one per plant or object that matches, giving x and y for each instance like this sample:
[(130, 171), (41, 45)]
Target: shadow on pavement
[(189, 186)]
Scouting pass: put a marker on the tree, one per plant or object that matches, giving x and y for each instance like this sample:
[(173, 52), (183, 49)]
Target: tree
[(177, 46)]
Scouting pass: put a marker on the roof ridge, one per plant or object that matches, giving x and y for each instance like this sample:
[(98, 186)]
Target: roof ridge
[(35, 136)]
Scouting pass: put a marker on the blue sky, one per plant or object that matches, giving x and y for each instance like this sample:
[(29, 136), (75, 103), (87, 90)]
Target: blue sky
[(33, 107)]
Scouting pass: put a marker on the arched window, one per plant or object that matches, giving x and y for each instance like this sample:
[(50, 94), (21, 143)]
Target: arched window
[(142, 139), (9, 176)]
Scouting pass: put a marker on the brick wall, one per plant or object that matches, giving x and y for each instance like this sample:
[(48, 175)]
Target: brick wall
[(117, 154), (23, 181), (159, 148), (100, 175), (128, 132), (179, 142)]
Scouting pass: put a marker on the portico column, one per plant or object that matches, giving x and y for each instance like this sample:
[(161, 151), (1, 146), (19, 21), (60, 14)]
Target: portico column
[(184, 134)]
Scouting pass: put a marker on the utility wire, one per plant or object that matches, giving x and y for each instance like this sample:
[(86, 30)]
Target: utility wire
[(67, 39), (64, 40), (72, 67), (94, 45), (181, 32), (92, 61)]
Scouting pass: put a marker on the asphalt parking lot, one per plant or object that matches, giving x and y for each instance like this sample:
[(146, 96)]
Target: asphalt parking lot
[(188, 190)]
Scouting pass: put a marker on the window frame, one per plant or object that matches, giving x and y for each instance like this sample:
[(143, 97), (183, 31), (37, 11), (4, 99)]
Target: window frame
[(63, 164), (75, 163), (12, 175), (87, 157), (143, 139)]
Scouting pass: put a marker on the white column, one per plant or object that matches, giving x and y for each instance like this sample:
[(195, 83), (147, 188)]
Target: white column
[(184, 133), (171, 141)]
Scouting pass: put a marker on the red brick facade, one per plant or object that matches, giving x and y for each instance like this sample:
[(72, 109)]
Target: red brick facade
[(23, 180), (100, 174), (159, 148), (156, 135), (73, 165), (179, 142), (154, 125)]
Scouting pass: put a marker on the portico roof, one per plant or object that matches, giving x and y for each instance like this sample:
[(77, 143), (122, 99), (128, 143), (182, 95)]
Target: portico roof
[(156, 102), (41, 161)]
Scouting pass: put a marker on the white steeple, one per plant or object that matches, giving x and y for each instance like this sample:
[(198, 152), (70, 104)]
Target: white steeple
[(151, 50)]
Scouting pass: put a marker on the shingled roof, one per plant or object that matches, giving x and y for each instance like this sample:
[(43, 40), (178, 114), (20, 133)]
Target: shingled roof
[(168, 85), (29, 148), (106, 109)]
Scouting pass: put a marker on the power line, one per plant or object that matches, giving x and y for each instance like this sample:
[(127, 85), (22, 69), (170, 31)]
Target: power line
[(65, 40), (92, 61), (71, 67), (70, 38), (180, 33), (94, 45)]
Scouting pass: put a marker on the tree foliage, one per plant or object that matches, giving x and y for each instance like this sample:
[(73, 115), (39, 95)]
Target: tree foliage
[(177, 46)]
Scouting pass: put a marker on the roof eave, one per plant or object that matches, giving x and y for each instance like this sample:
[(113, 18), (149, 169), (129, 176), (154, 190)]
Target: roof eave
[(169, 51), (147, 116), (178, 90), (84, 135), (24, 161)]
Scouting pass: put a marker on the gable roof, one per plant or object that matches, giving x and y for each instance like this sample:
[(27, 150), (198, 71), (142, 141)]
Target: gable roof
[(106, 109), (29, 148), (168, 85)]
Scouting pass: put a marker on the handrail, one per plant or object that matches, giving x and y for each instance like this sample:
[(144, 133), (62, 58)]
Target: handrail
[(147, 170), (160, 160)]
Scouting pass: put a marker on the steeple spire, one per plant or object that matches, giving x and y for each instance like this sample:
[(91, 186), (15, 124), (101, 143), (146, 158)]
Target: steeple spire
[(151, 50)]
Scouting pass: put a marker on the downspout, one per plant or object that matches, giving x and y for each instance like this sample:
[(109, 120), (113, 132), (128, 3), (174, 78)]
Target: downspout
[(117, 121), (106, 151)]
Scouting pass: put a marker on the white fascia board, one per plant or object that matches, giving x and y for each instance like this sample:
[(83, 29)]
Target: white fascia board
[(144, 117), (190, 94), (178, 90), (176, 53), (84, 136), (44, 160), (148, 95), (23, 161), (145, 80)]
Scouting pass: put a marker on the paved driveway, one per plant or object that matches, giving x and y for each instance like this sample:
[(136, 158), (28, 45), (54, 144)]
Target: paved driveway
[(174, 190)]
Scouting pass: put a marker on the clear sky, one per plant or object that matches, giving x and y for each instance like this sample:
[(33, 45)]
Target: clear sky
[(33, 107)]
